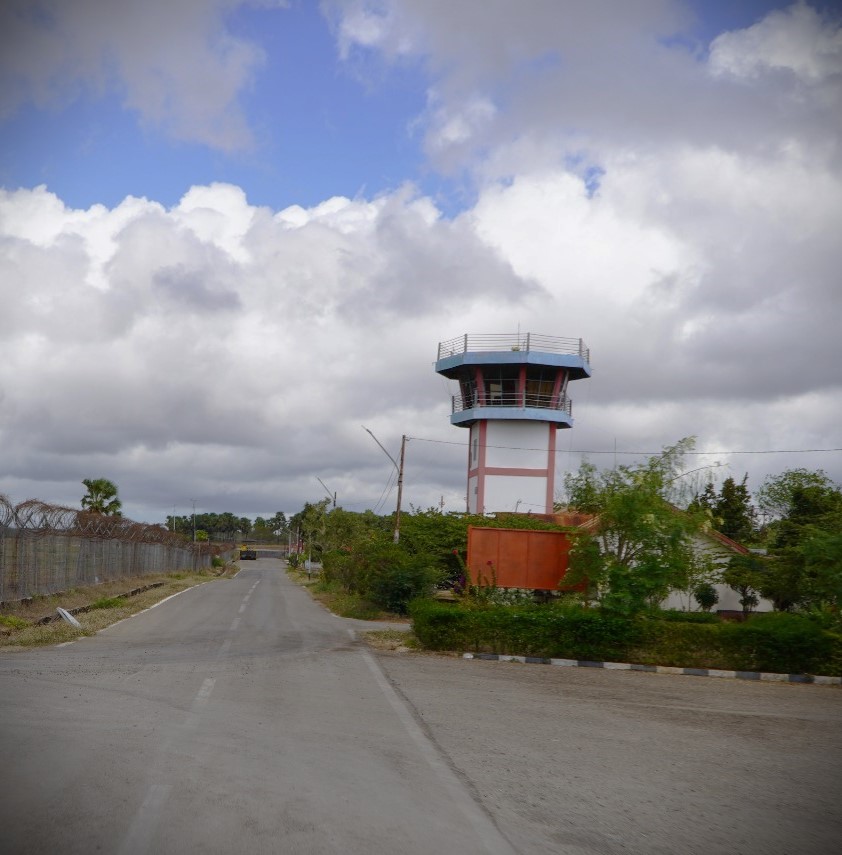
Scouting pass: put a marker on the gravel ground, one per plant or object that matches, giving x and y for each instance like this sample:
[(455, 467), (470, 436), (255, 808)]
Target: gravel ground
[(581, 760)]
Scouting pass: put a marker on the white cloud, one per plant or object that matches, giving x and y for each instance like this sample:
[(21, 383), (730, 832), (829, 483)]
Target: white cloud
[(230, 333), (794, 39), (175, 64)]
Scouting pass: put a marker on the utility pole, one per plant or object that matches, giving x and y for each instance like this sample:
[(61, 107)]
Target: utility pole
[(399, 470), (194, 519), (400, 491)]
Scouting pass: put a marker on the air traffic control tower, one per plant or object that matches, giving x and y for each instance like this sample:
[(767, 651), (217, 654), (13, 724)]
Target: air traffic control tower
[(513, 398)]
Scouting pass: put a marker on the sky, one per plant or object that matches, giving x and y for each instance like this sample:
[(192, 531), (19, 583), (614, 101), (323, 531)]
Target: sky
[(233, 233)]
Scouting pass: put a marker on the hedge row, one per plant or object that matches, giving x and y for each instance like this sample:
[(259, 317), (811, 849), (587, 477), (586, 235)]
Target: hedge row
[(777, 643)]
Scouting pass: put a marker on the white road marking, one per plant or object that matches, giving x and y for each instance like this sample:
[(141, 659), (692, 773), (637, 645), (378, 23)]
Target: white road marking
[(490, 835), (204, 692), (145, 823), (235, 624)]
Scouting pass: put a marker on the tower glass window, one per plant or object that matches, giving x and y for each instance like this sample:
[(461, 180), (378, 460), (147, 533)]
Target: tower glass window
[(539, 386), (501, 383), (468, 388)]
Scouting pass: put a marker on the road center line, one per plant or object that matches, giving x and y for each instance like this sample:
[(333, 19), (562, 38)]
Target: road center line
[(139, 836), (204, 692)]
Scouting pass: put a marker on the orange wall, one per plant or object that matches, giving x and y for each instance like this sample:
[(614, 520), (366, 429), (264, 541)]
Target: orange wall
[(521, 558)]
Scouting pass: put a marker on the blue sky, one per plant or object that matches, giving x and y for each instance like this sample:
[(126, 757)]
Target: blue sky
[(321, 128), (323, 191)]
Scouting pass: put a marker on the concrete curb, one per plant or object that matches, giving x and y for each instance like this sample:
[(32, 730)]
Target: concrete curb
[(662, 669)]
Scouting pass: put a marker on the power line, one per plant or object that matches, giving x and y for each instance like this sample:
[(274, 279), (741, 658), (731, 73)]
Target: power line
[(387, 491), (643, 453)]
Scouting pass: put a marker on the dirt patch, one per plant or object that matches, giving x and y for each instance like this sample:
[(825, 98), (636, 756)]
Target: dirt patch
[(394, 640)]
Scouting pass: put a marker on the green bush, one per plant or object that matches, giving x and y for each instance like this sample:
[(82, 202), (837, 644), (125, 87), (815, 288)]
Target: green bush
[(706, 595), (382, 572), (535, 630), (682, 644), (778, 642), (441, 626), (391, 578), (341, 568)]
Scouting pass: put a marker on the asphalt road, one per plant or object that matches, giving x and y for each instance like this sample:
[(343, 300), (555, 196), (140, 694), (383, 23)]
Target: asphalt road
[(240, 716)]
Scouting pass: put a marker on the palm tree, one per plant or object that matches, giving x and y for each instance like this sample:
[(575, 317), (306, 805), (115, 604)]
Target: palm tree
[(101, 497)]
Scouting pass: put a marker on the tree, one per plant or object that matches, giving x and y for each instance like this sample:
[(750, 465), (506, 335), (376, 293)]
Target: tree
[(310, 522), (101, 497), (775, 496), (745, 575), (279, 525), (822, 553), (706, 500), (642, 547), (706, 596), (733, 512), (801, 569)]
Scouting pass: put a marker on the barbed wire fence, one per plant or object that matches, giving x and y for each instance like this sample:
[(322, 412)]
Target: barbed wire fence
[(45, 549)]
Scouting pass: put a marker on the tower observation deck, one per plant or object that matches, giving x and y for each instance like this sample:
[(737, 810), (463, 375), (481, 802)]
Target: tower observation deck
[(513, 398)]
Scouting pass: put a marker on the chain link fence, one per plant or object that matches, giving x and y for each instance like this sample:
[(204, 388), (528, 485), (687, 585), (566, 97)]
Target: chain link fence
[(45, 549)]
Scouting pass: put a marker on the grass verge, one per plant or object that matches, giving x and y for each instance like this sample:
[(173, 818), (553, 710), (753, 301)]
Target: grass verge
[(342, 603), (106, 603)]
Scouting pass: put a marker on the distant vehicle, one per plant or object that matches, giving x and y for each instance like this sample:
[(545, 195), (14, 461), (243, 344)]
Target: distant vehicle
[(248, 553)]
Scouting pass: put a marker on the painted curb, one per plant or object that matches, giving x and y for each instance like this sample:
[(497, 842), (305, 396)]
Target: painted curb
[(662, 669)]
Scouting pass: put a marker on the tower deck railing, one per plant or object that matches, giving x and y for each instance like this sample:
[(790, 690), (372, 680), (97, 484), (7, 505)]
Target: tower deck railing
[(514, 341), (460, 403)]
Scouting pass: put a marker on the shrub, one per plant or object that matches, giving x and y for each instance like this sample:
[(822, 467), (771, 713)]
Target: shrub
[(341, 568), (536, 630), (382, 572), (778, 642), (682, 644), (593, 634), (391, 578), (706, 596), (441, 626)]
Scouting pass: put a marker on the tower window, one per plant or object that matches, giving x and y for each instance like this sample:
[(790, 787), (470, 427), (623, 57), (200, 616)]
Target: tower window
[(539, 386), (501, 384)]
